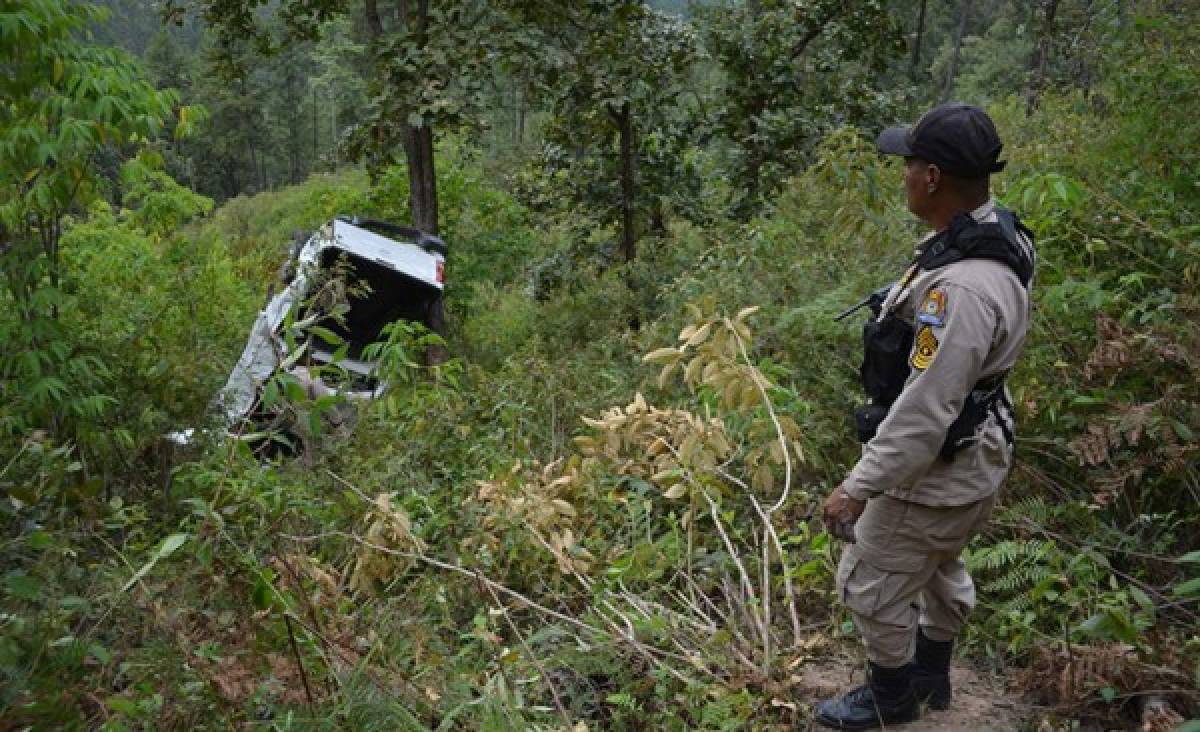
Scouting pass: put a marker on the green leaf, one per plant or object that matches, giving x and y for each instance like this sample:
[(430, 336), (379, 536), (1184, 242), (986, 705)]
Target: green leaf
[(1141, 598), (326, 335), (72, 603), (123, 705), (263, 593), (25, 493), (1110, 625), (1191, 588), (22, 586), (100, 653), (270, 395), (1191, 557), (10, 652), (168, 547)]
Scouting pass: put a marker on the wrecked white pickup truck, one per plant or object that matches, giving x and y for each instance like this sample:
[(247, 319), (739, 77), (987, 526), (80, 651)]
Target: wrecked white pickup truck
[(391, 273)]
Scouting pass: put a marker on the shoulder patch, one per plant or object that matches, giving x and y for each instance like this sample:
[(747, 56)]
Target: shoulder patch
[(933, 310), (925, 347)]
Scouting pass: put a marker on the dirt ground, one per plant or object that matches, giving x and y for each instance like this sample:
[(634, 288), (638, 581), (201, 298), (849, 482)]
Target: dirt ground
[(981, 702)]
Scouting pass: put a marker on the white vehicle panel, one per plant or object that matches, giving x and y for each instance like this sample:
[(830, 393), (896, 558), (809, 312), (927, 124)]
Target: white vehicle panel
[(401, 256)]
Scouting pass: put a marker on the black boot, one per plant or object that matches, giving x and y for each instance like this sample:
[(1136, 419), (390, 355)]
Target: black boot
[(886, 699), (931, 671)]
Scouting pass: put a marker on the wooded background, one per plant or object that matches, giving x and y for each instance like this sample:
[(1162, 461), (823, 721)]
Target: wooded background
[(596, 514)]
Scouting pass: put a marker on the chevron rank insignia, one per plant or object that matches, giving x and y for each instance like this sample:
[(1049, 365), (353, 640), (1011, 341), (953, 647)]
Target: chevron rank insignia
[(933, 310), (924, 348)]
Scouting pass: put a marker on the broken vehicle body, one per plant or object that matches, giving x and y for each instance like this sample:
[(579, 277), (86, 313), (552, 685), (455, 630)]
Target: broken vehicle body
[(389, 273)]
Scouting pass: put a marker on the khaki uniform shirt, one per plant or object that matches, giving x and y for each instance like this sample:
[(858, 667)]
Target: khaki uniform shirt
[(970, 320)]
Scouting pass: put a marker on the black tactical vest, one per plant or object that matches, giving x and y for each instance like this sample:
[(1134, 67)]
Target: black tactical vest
[(888, 341)]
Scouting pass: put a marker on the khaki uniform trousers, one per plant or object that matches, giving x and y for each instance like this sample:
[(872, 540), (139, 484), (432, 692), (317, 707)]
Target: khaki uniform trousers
[(904, 568)]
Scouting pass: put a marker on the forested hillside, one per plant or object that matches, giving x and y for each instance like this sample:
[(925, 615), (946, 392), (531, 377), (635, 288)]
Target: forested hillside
[(592, 501)]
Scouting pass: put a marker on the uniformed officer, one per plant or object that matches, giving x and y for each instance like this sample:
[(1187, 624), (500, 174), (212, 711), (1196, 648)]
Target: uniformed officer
[(938, 441)]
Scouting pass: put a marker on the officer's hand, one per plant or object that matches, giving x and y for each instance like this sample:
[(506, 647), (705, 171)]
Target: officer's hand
[(841, 513)]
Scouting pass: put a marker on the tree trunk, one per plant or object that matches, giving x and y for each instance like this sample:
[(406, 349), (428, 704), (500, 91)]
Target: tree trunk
[(624, 119), (952, 70), (520, 131), (374, 23), (916, 54), (254, 177), (418, 141), (422, 178), (294, 122), (1037, 64), (333, 133)]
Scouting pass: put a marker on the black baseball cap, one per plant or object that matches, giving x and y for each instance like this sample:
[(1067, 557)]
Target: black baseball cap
[(959, 138)]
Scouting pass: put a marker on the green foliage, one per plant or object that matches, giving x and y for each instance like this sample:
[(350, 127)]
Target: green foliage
[(794, 71), (614, 73), (53, 129), (377, 571)]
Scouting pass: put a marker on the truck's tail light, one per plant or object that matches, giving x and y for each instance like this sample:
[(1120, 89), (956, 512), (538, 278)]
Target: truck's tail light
[(441, 272)]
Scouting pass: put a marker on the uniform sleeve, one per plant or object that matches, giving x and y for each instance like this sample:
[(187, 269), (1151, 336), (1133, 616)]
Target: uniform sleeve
[(954, 332)]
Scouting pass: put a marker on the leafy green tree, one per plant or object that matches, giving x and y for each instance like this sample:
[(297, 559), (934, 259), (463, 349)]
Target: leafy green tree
[(992, 65), (67, 105), (431, 63), (428, 61), (612, 72), (337, 82), (793, 71)]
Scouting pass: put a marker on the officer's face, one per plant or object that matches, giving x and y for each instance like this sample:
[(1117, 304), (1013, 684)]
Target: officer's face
[(920, 183)]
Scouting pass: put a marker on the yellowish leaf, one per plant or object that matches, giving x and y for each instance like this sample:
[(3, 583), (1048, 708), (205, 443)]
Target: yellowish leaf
[(564, 508), (749, 397), (763, 479), (687, 449), (665, 374), (720, 443), (730, 394), (666, 477), (584, 442), (662, 355), (747, 312), (676, 491), (700, 335)]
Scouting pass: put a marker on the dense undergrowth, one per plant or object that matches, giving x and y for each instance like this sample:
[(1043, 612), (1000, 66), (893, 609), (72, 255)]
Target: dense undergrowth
[(479, 555)]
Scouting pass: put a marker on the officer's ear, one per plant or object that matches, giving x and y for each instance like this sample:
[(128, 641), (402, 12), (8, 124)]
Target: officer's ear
[(933, 178)]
